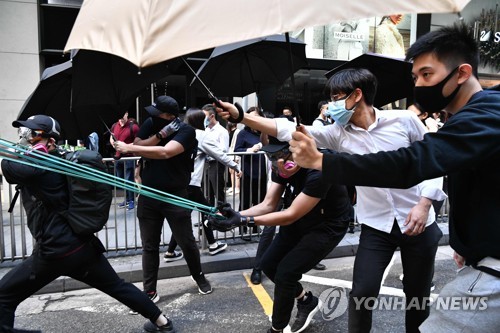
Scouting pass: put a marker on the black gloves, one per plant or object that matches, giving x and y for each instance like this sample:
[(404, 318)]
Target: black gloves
[(169, 129), (232, 219)]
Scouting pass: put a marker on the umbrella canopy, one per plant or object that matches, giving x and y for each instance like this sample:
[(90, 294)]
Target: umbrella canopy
[(90, 87), (239, 69), (393, 75), (147, 32)]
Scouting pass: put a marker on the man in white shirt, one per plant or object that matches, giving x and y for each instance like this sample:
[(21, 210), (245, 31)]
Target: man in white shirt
[(215, 170), (390, 218)]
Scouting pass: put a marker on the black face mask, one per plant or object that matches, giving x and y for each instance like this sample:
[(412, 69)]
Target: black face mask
[(431, 98)]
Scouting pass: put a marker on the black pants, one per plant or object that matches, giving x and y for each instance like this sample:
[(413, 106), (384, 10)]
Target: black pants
[(292, 253), (88, 265), (151, 214), (266, 237), (216, 182), (375, 251), (195, 194)]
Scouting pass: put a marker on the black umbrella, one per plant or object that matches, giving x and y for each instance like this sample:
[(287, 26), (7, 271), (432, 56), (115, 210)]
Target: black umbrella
[(393, 75), (90, 87), (239, 69)]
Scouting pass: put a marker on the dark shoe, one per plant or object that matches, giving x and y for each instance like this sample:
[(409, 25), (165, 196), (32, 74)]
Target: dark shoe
[(218, 247), (154, 297), (123, 205), (272, 330), (204, 286), (152, 327), (169, 257), (130, 205), (305, 312), (320, 267), (256, 277)]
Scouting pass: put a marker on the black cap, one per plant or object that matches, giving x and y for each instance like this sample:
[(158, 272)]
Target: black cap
[(274, 148), (41, 122), (163, 104)]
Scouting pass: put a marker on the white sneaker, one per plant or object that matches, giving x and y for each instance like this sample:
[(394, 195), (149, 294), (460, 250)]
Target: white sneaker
[(216, 248), (173, 257)]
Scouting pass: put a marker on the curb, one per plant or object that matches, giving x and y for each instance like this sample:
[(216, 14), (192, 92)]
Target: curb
[(237, 257)]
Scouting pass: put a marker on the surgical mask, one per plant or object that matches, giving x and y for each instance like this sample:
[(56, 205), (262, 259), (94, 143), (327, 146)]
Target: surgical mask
[(338, 112), (206, 122), (288, 165), (431, 99)]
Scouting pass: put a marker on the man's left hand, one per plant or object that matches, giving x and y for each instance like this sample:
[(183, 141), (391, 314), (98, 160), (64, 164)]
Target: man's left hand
[(417, 218)]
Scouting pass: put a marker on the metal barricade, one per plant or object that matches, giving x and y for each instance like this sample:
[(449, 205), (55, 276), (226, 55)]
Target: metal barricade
[(121, 235)]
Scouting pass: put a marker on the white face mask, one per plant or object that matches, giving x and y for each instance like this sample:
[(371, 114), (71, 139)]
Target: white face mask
[(338, 112), (206, 122)]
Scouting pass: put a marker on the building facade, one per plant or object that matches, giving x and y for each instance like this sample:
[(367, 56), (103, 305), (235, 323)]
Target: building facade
[(33, 34)]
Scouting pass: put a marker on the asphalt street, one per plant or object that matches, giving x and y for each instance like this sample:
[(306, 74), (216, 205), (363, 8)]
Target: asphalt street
[(234, 306)]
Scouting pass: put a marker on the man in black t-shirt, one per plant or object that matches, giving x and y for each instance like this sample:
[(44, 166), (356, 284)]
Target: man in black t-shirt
[(310, 228), (167, 147)]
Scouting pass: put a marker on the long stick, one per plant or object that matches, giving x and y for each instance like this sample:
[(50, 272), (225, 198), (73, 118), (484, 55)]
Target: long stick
[(292, 78)]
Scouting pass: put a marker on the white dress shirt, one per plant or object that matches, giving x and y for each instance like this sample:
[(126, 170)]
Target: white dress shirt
[(220, 135), (392, 129), (208, 148)]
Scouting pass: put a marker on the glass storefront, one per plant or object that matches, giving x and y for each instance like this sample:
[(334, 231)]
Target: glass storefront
[(388, 35)]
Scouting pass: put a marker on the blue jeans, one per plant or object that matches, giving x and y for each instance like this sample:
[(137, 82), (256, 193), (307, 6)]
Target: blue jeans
[(125, 169)]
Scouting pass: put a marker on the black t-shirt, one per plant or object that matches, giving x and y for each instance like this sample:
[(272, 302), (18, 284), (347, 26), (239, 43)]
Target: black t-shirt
[(173, 174), (334, 205)]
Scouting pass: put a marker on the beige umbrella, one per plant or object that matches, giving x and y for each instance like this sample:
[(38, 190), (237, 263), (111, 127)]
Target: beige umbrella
[(147, 32)]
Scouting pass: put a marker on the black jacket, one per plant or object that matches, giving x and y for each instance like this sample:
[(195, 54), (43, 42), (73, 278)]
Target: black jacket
[(467, 149), (44, 195)]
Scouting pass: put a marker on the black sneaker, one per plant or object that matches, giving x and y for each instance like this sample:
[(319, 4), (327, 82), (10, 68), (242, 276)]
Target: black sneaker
[(154, 297), (256, 276), (218, 247), (319, 267), (272, 330), (305, 312), (204, 286), (169, 257), (152, 327)]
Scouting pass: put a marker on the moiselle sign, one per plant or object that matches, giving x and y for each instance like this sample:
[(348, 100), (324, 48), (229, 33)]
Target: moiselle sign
[(349, 36)]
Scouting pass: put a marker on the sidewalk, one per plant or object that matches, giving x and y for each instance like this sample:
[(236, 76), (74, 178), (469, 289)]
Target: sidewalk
[(237, 256)]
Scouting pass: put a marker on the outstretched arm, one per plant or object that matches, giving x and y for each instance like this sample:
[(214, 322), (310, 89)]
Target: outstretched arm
[(264, 125), (171, 149)]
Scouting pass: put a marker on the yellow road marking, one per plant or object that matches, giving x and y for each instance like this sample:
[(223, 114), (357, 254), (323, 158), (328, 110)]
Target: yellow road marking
[(262, 295)]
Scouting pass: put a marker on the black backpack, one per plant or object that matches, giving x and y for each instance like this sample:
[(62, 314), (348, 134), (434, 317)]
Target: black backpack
[(89, 201)]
